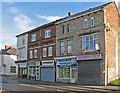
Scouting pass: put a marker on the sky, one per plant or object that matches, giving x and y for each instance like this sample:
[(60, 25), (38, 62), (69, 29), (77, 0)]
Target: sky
[(19, 17)]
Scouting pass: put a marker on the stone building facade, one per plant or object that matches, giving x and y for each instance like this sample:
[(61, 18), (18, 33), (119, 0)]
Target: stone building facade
[(94, 45)]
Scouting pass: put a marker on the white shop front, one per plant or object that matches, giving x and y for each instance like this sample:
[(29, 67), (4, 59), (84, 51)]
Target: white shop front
[(66, 69)]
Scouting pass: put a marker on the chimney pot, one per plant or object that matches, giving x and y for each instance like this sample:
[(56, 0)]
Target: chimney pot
[(70, 13)]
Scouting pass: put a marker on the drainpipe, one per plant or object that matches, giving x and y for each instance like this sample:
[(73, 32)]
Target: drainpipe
[(40, 54)]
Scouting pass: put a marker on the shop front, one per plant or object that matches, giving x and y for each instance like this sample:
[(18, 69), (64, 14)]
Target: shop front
[(66, 70), (22, 68), (47, 71), (89, 69), (33, 70)]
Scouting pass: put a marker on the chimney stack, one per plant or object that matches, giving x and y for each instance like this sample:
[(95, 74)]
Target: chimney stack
[(8, 47), (70, 13)]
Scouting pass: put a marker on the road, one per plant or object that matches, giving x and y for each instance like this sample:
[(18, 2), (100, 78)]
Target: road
[(15, 85)]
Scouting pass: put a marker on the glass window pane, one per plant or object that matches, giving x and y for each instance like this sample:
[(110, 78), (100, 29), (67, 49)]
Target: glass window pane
[(67, 73), (69, 42), (60, 72)]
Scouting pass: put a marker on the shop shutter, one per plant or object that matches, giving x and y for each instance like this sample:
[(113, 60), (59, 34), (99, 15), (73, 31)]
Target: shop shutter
[(48, 74), (90, 72)]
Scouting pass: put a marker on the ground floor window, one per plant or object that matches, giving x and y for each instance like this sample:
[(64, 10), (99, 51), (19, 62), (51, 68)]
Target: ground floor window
[(12, 69), (63, 72)]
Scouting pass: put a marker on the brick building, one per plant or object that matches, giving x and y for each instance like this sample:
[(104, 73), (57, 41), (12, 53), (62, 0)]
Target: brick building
[(87, 46), (41, 52)]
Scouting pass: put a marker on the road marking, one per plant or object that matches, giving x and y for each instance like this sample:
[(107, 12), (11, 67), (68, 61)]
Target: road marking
[(31, 86), (68, 88)]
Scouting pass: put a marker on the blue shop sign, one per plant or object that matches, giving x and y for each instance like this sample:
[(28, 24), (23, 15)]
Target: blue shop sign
[(67, 62)]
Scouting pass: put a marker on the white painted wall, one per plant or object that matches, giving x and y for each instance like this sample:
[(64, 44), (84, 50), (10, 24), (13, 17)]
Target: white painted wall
[(22, 47), (8, 60)]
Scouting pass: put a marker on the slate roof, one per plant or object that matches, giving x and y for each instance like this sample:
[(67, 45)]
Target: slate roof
[(12, 51), (52, 23)]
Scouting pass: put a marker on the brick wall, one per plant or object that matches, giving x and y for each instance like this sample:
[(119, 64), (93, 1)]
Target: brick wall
[(34, 45), (111, 41), (49, 42)]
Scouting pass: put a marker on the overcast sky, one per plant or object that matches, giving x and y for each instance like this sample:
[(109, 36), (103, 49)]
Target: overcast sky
[(19, 17)]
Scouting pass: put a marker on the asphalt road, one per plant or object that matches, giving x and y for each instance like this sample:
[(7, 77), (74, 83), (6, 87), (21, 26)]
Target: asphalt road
[(15, 85)]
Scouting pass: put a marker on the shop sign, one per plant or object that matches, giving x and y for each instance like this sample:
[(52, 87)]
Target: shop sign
[(23, 65), (87, 57), (67, 62), (33, 63)]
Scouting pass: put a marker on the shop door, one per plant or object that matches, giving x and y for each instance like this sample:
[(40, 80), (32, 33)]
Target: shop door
[(72, 75), (37, 73), (90, 72), (48, 74)]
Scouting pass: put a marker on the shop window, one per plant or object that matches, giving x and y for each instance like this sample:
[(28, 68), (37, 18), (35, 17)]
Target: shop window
[(33, 37), (62, 48), (12, 69), (47, 33), (49, 51), (35, 53), (88, 42), (85, 23), (64, 72), (31, 54), (92, 21), (69, 46), (44, 52)]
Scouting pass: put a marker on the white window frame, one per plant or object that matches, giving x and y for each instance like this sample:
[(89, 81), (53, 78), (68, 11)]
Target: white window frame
[(69, 46), (33, 38), (85, 23), (47, 35), (31, 54), (49, 51), (44, 49), (61, 48), (92, 20), (35, 53), (89, 42), (63, 73)]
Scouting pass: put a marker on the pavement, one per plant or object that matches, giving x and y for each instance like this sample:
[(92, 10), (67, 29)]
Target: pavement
[(14, 84)]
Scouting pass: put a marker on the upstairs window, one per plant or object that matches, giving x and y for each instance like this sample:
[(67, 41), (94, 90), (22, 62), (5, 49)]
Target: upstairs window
[(63, 29), (68, 27), (47, 33), (33, 37), (49, 51), (62, 48), (44, 52), (23, 41), (85, 23), (92, 21), (69, 46), (35, 53), (31, 54), (88, 42)]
